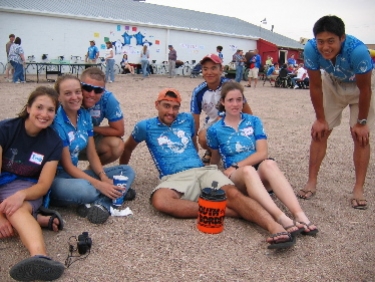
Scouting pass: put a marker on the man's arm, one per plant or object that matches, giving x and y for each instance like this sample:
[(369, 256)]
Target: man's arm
[(316, 93), (197, 124), (129, 147), (320, 126), (364, 85), (361, 132), (115, 128)]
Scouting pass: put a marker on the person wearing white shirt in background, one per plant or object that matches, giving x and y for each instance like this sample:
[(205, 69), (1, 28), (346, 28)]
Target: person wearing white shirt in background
[(301, 74)]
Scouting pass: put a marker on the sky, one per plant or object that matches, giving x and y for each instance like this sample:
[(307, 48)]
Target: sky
[(293, 19)]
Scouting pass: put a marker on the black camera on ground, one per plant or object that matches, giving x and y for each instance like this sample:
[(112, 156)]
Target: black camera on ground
[(84, 243)]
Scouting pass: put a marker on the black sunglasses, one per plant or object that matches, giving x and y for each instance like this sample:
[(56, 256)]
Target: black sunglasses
[(89, 88)]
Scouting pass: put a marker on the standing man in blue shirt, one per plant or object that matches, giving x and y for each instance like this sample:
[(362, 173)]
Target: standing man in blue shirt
[(102, 104), (169, 138), (348, 80), (291, 60), (254, 65), (92, 53)]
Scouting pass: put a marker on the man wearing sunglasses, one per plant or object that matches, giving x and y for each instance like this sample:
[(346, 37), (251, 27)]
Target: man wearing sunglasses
[(102, 104)]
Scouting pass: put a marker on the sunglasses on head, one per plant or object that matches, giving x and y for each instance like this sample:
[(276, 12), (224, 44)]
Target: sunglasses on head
[(89, 88)]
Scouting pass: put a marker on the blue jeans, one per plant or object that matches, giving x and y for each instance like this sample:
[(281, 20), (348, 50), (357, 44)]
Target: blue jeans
[(144, 64), (294, 81), (66, 190), (239, 73), (18, 71), (110, 70)]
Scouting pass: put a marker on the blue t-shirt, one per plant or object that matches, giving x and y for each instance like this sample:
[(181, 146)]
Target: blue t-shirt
[(270, 70), (256, 60), (171, 147), (292, 61), (25, 155), (221, 56), (107, 107), (235, 146), (352, 59), (93, 50), (76, 138)]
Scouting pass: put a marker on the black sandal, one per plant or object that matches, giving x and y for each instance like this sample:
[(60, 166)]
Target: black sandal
[(54, 214)]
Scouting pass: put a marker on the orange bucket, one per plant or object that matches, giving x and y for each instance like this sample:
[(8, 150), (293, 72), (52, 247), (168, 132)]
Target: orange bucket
[(212, 204)]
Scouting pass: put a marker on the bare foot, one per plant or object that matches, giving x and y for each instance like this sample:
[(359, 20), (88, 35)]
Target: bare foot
[(44, 220), (307, 192)]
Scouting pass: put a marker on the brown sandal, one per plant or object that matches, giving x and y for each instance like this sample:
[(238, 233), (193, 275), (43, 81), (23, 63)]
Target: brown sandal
[(304, 196), (358, 206)]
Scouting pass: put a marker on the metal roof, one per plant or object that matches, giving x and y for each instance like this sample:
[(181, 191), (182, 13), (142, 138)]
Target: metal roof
[(141, 13)]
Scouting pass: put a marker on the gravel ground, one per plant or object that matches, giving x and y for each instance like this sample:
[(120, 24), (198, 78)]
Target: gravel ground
[(150, 246)]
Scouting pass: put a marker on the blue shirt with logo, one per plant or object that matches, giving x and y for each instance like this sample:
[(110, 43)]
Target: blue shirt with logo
[(76, 138), (171, 147), (107, 107), (92, 51), (352, 59), (236, 145)]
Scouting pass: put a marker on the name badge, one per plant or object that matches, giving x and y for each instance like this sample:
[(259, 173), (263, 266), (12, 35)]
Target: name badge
[(71, 136), (95, 113), (36, 158)]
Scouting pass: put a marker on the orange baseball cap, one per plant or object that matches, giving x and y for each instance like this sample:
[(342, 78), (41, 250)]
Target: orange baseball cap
[(163, 95)]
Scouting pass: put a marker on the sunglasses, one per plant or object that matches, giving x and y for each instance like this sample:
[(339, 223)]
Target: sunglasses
[(89, 88)]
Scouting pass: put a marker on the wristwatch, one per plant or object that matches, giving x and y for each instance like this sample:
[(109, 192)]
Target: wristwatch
[(235, 165), (362, 121)]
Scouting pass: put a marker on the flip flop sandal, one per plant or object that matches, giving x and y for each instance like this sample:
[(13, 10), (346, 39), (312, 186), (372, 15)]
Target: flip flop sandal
[(37, 268), (358, 206), (248, 85), (306, 191), (54, 214), (311, 232), (295, 232), (284, 244)]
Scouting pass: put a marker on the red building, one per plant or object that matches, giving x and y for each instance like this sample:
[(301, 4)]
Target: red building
[(279, 54)]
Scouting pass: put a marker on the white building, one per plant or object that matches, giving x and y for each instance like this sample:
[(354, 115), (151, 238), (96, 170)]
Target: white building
[(64, 28)]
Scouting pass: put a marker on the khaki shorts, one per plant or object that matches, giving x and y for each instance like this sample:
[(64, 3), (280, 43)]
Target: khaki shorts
[(82, 156), (91, 61), (338, 95), (9, 67), (253, 73), (191, 182)]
